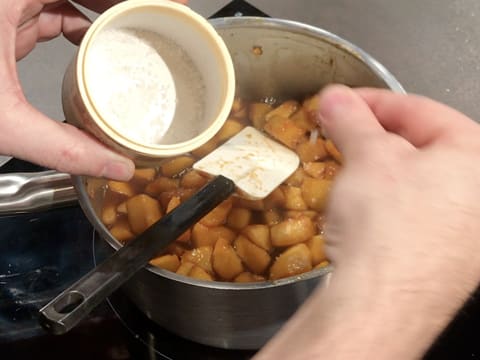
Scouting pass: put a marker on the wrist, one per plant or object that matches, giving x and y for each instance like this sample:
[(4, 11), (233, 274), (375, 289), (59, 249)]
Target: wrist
[(363, 316), (372, 316)]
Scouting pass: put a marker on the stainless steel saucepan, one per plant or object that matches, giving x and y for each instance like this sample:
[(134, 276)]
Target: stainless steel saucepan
[(273, 58)]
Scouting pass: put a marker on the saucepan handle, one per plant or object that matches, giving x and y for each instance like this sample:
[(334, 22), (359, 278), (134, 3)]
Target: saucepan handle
[(71, 306), (35, 191)]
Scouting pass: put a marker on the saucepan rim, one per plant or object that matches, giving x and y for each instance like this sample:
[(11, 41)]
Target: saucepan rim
[(251, 22)]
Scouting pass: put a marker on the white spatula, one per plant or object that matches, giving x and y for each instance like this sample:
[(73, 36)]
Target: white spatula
[(254, 162), (250, 163)]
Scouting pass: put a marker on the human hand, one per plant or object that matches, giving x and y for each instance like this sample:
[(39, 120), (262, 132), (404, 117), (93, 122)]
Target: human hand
[(25, 132), (402, 229), (404, 211)]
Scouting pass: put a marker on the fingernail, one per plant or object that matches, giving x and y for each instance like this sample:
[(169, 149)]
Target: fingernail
[(118, 170), (319, 119), (334, 102), (324, 132)]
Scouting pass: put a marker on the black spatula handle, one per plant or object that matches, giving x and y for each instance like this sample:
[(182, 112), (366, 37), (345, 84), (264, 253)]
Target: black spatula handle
[(71, 306)]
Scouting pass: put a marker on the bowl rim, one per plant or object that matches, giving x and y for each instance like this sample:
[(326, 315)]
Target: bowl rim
[(208, 33)]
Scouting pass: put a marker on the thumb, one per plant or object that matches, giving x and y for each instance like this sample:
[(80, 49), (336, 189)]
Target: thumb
[(27, 134), (347, 119)]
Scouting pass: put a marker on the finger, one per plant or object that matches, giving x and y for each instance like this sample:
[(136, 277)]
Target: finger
[(64, 19), (101, 6), (67, 19), (26, 37), (98, 6), (347, 119), (48, 24), (419, 120), (27, 134)]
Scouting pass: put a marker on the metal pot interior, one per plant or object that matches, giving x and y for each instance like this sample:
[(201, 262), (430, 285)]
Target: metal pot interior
[(285, 59), (277, 59)]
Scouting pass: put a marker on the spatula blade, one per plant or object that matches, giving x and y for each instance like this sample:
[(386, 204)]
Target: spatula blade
[(253, 161)]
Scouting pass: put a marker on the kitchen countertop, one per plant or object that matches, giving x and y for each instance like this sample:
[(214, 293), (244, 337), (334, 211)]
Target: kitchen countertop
[(431, 46)]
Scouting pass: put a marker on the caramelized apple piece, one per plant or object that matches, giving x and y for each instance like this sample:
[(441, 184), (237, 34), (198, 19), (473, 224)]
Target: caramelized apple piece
[(226, 262), (167, 262), (293, 261), (292, 231), (256, 258), (143, 211)]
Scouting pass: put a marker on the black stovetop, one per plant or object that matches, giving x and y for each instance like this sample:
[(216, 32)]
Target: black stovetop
[(41, 254)]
